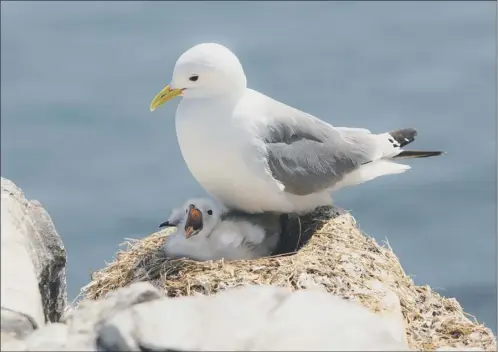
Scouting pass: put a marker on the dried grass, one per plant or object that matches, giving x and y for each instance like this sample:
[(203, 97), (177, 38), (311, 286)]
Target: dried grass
[(338, 258)]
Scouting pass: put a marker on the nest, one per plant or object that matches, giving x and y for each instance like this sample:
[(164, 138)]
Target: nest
[(334, 255)]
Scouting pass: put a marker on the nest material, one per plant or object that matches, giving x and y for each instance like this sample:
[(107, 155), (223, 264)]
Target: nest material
[(336, 256)]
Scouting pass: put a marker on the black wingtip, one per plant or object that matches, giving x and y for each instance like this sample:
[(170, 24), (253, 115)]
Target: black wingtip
[(418, 154), (404, 136)]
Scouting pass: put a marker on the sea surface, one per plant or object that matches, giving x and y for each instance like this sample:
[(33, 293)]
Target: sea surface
[(77, 79)]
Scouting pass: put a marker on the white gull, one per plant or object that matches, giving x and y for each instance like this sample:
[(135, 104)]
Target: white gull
[(256, 154)]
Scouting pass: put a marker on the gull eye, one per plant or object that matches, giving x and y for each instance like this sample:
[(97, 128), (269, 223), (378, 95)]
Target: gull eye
[(210, 212), (194, 78)]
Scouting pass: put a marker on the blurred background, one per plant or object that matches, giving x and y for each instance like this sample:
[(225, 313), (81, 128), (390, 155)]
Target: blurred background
[(77, 79)]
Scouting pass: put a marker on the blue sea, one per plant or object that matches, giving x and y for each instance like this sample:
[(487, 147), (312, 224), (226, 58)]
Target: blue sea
[(77, 79)]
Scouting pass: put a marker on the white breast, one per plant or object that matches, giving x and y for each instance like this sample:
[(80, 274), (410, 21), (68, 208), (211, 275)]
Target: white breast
[(223, 156)]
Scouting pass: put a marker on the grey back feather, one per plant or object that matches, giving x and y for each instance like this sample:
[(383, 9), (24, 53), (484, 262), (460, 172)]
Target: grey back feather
[(308, 155)]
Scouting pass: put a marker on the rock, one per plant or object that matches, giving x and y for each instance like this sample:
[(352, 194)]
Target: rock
[(33, 259), (84, 320), (330, 323), (52, 337), (390, 307), (11, 343), (50, 263), (16, 324), (251, 318), (19, 282), (78, 332)]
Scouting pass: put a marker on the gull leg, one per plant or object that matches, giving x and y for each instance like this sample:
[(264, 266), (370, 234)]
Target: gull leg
[(290, 235), (300, 231)]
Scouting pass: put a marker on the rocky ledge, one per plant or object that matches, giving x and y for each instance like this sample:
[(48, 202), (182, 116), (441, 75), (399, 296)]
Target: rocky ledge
[(355, 297)]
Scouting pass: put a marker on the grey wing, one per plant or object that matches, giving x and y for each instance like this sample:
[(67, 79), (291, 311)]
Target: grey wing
[(307, 155)]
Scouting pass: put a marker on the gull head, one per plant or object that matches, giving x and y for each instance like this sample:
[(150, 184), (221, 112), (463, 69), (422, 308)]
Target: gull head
[(203, 71), (196, 217)]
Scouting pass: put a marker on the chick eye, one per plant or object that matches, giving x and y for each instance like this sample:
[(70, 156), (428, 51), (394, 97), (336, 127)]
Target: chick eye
[(210, 212), (194, 78)]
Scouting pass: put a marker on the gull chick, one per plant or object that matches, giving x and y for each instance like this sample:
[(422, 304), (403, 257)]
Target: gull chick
[(206, 232), (256, 154)]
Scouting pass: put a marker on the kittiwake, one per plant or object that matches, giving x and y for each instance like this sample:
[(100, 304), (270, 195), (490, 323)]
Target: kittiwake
[(256, 154)]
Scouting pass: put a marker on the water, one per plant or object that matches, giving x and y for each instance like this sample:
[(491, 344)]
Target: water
[(78, 78)]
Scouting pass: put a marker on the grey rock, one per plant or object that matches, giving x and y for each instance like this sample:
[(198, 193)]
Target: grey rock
[(110, 338), (16, 324), (50, 263), (52, 337), (250, 318), (316, 320), (11, 343), (148, 324), (78, 332), (84, 320), (19, 282), (33, 255)]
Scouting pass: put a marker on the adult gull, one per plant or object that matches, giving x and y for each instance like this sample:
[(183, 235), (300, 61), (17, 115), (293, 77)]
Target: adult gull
[(256, 154)]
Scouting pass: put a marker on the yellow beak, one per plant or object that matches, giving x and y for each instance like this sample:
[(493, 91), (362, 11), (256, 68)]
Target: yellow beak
[(166, 94)]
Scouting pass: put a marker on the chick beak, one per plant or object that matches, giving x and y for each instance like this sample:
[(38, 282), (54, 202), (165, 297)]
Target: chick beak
[(194, 221), (166, 224)]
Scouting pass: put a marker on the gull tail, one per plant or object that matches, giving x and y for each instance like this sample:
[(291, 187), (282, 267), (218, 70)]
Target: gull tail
[(368, 172), (402, 137), (390, 144), (413, 154)]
